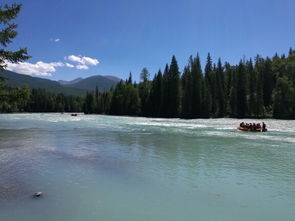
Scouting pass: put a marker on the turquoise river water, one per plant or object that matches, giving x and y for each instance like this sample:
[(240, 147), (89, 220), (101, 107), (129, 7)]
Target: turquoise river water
[(94, 167)]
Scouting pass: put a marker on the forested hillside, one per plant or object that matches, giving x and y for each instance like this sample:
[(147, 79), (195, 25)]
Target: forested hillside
[(18, 80), (77, 87), (23, 99), (103, 83), (258, 88), (262, 87)]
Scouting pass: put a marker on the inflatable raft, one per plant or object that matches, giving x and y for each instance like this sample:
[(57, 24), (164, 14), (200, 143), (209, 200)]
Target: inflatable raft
[(249, 130)]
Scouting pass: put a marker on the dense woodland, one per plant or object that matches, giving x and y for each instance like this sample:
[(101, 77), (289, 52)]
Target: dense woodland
[(36, 100), (263, 87)]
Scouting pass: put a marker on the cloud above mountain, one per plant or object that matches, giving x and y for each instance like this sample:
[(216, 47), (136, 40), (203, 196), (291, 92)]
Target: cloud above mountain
[(82, 62), (82, 67), (41, 68), (69, 65)]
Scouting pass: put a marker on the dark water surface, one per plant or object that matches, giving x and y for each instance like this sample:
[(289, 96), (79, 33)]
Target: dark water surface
[(120, 168)]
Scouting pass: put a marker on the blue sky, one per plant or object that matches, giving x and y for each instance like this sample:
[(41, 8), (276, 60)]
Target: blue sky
[(114, 37)]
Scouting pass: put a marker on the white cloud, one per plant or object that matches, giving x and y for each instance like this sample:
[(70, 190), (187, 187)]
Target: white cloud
[(69, 65), (73, 58), (56, 40), (82, 67), (89, 61), (83, 62), (40, 68)]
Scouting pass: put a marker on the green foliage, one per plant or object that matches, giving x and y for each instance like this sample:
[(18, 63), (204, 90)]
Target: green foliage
[(42, 101), (195, 87), (284, 98), (241, 90), (220, 96), (22, 99), (144, 75), (165, 93), (13, 99), (17, 80), (173, 87), (263, 89), (103, 83), (268, 83), (251, 88), (7, 33), (144, 88), (192, 89), (155, 97), (187, 94), (125, 100), (259, 108)]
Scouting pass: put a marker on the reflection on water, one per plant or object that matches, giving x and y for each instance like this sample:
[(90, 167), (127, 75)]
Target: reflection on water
[(122, 168)]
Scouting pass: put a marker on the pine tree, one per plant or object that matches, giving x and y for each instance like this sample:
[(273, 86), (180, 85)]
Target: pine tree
[(220, 90), (8, 13), (144, 75), (174, 89), (206, 99), (165, 93), (291, 51), (156, 95), (144, 90), (259, 106), (186, 102), (290, 67), (130, 78), (125, 100), (241, 91), (252, 88), (209, 81), (233, 94), (196, 77), (228, 78), (117, 99), (283, 103), (89, 106), (267, 83)]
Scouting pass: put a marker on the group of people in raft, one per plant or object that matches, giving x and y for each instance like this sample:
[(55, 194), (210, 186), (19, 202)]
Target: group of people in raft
[(253, 126)]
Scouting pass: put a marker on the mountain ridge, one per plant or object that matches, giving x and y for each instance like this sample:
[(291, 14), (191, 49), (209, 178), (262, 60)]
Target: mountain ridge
[(63, 82), (76, 87), (90, 83)]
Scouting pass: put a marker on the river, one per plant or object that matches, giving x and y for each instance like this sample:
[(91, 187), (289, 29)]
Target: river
[(95, 167)]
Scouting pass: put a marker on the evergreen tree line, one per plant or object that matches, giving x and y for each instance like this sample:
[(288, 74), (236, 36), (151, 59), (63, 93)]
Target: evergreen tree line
[(263, 87), (36, 100)]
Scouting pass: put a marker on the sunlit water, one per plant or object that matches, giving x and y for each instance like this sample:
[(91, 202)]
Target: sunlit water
[(121, 168)]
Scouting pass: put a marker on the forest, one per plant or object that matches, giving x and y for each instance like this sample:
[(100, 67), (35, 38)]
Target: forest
[(36, 100), (258, 88)]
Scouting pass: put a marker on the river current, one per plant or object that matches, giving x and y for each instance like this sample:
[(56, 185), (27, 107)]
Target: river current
[(95, 167)]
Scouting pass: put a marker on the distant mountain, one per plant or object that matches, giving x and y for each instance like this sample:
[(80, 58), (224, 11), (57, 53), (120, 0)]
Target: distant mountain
[(70, 82), (77, 87), (113, 78), (102, 82), (18, 80)]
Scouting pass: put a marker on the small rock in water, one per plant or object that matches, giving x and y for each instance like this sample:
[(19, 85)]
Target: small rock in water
[(37, 194)]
